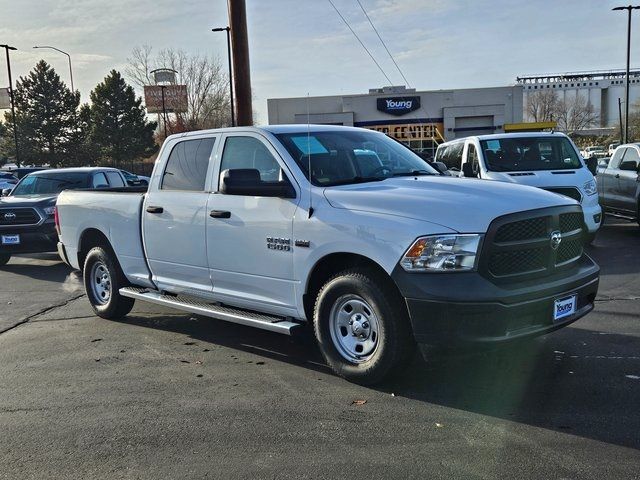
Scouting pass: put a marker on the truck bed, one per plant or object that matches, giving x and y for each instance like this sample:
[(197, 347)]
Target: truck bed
[(116, 214)]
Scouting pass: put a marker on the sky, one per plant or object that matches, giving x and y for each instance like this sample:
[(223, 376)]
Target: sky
[(300, 47)]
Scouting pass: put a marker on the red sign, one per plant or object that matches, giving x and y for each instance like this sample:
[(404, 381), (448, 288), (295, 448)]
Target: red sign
[(175, 98)]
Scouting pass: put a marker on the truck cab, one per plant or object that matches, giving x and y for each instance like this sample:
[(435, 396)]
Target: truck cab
[(549, 161), (619, 182)]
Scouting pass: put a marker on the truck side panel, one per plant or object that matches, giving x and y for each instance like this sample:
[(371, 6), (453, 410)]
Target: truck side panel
[(116, 216)]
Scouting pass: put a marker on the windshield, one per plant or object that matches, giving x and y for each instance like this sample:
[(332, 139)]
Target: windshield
[(50, 183), (349, 156), (529, 153)]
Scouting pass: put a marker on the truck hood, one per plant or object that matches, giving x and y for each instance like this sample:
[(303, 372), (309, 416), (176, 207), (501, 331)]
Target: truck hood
[(463, 205), (41, 201), (545, 178)]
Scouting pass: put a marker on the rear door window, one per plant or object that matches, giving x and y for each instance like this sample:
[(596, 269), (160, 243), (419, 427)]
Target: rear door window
[(115, 180), (99, 181), (187, 165)]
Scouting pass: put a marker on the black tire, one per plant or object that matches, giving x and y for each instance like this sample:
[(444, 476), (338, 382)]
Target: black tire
[(591, 237), (4, 259), (362, 290), (101, 262)]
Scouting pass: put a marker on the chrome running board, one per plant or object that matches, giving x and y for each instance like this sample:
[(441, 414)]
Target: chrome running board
[(228, 314)]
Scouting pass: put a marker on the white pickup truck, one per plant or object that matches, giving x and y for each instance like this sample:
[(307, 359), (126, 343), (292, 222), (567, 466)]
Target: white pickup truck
[(340, 228)]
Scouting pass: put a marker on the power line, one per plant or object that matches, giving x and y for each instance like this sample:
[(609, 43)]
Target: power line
[(358, 38), (383, 44)]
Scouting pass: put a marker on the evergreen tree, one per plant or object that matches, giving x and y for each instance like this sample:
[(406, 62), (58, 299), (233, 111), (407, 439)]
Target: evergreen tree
[(118, 120), (46, 117)]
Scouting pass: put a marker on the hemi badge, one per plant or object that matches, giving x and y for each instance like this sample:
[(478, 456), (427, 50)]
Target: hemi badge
[(303, 243)]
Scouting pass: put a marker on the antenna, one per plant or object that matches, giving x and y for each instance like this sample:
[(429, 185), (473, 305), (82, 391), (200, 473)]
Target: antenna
[(309, 158)]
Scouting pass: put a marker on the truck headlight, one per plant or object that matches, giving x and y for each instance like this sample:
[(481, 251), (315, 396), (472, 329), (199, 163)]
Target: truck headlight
[(442, 253), (49, 210), (590, 187)]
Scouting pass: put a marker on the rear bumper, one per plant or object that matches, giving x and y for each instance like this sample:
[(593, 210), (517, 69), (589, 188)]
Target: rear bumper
[(39, 239), (62, 252), (464, 310)]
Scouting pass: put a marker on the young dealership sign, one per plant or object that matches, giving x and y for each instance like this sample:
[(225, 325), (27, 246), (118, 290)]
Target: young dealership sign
[(398, 105)]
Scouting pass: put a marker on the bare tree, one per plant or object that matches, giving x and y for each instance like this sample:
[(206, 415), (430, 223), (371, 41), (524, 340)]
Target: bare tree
[(206, 80), (575, 112), (542, 105)]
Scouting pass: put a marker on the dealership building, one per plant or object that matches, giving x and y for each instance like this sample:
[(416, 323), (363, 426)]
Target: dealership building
[(603, 89), (420, 119)]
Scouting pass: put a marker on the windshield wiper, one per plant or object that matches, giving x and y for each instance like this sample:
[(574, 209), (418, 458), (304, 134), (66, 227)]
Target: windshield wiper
[(354, 180), (413, 173)]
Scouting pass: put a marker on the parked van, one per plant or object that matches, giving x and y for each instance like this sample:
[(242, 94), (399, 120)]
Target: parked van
[(546, 160)]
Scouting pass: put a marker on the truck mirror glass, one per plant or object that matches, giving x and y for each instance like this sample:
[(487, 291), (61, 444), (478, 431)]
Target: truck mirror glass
[(592, 165), (467, 170), (629, 165), (247, 182)]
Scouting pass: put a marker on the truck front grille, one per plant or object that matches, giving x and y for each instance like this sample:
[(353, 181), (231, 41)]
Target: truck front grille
[(520, 245), (570, 192), (18, 216)]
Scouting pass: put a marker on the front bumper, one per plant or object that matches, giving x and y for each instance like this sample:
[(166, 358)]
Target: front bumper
[(33, 239), (465, 310), (592, 215)]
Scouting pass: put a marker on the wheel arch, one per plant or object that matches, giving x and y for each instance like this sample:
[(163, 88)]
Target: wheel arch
[(91, 237), (333, 263)]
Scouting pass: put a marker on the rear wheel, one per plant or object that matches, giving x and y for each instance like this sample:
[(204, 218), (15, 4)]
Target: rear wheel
[(4, 259), (362, 327), (103, 279)]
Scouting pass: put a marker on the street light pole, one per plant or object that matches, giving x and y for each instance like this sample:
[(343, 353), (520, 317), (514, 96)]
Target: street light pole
[(228, 30), (629, 8), (13, 107), (68, 56), (164, 110)]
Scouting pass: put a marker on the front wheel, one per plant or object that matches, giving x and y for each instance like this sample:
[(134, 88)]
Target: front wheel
[(362, 327), (102, 282), (4, 259)]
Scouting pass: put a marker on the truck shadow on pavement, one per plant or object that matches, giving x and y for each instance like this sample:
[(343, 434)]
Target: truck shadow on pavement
[(548, 383), (47, 267)]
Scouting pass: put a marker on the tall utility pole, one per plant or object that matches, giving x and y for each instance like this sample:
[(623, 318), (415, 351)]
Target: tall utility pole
[(228, 30), (68, 56), (629, 8), (13, 107), (240, 53)]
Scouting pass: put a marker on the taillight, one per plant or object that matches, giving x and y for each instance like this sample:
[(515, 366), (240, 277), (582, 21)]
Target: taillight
[(56, 219)]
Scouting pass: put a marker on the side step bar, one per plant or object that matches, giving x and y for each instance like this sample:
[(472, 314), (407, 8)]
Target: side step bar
[(229, 314)]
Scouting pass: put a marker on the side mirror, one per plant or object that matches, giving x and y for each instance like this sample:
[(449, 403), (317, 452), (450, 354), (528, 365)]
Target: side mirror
[(629, 165), (6, 191), (592, 165), (247, 182), (467, 170), (441, 167)]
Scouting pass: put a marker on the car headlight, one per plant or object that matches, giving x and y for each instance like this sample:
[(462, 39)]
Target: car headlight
[(590, 187), (49, 210), (442, 253)]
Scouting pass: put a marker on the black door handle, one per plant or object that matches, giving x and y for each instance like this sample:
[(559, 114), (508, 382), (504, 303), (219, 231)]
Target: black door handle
[(155, 209), (220, 214), (617, 175)]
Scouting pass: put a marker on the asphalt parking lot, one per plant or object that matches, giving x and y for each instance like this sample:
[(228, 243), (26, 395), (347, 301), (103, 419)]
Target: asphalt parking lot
[(168, 395)]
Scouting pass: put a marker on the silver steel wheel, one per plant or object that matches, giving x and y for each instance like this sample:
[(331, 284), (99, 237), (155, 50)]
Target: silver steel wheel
[(100, 282), (354, 328)]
